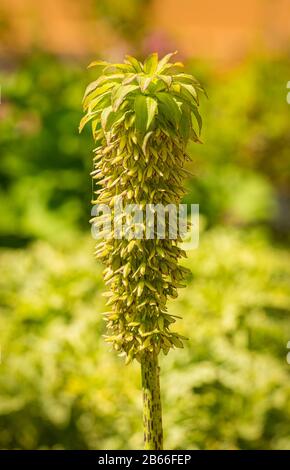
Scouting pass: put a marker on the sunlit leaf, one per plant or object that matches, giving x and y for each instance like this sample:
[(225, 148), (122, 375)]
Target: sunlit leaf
[(121, 94), (97, 92), (145, 141), (145, 109), (98, 63), (86, 119), (167, 79), (144, 81), (150, 64), (134, 62), (191, 90), (164, 61)]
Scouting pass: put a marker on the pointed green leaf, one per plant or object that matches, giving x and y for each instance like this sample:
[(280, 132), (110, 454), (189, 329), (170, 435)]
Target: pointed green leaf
[(197, 117), (167, 79), (110, 118), (121, 94), (145, 110), (193, 136), (130, 77), (99, 102), (145, 141), (106, 113), (186, 78), (177, 342), (134, 62), (170, 68), (144, 82), (150, 64), (103, 80), (169, 107), (90, 88), (97, 92), (191, 90), (185, 123), (140, 113), (164, 61), (85, 119), (123, 67), (98, 63)]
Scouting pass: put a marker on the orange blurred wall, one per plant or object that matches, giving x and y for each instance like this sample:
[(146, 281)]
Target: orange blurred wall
[(223, 30)]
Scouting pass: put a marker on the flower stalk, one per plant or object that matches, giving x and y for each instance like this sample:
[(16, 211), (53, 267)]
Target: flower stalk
[(152, 410), (142, 117)]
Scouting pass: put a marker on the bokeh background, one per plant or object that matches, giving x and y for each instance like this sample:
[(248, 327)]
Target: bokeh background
[(60, 386)]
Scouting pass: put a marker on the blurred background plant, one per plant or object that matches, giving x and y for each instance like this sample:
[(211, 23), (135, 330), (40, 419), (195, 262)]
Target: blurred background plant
[(59, 387)]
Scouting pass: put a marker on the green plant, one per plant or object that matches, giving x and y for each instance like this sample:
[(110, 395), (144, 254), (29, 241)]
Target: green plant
[(142, 117)]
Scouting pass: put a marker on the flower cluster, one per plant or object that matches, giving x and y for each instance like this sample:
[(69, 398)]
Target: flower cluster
[(142, 117)]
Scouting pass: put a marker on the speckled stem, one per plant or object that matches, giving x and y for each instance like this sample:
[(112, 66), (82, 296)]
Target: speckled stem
[(152, 412)]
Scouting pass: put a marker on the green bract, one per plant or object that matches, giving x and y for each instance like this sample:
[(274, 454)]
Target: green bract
[(142, 117)]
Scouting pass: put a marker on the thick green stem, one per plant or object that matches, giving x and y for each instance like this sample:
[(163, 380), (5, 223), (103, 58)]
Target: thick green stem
[(152, 412)]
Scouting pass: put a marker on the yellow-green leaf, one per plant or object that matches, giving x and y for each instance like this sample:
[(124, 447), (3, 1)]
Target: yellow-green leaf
[(145, 110), (150, 64), (121, 94)]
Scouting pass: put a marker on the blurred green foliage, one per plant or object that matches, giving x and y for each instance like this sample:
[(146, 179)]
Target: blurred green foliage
[(243, 170), (45, 190), (60, 386)]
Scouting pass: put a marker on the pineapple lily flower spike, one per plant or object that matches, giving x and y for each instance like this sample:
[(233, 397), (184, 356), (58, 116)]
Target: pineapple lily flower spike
[(142, 117)]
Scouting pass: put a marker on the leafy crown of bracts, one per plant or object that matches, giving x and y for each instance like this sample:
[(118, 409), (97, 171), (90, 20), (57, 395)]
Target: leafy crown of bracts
[(142, 117)]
